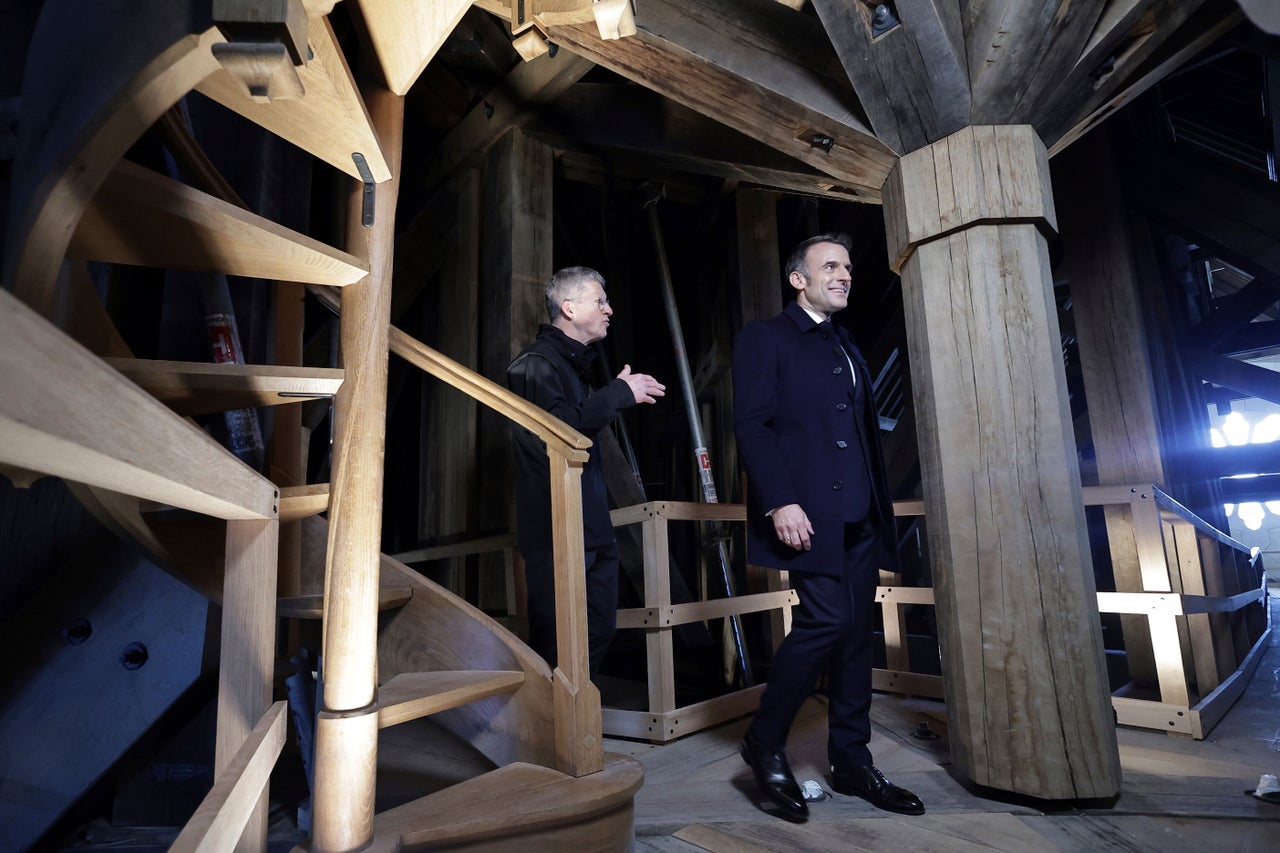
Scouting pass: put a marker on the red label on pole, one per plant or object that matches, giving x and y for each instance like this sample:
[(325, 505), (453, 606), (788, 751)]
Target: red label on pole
[(222, 340)]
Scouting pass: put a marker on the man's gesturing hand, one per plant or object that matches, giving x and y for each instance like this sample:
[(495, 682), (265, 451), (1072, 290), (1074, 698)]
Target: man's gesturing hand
[(645, 388)]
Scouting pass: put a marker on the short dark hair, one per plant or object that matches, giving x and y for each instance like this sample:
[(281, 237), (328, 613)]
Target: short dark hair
[(796, 260), (568, 283)]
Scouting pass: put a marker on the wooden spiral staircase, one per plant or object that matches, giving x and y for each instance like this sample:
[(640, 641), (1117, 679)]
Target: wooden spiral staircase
[(75, 404)]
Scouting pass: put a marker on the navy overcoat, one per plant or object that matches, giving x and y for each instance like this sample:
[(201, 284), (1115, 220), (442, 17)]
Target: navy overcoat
[(808, 435)]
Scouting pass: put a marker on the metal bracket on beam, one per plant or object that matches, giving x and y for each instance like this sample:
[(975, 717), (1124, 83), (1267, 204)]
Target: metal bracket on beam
[(366, 205)]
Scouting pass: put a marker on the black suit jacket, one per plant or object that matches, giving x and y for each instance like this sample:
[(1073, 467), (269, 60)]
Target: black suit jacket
[(808, 435)]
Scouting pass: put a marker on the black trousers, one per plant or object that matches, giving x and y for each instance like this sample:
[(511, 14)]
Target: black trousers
[(831, 629), (602, 602)]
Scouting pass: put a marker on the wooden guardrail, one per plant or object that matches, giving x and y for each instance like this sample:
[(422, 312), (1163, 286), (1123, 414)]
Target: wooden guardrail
[(579, 748), (1198, 592), (221, 816)]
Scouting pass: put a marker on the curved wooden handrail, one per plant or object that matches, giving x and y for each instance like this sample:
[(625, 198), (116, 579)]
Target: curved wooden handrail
[(560, 438)]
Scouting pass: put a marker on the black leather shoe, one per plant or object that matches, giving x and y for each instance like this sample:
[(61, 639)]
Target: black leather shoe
[(774, 777), (870, 784)]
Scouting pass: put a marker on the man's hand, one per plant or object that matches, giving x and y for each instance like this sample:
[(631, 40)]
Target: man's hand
[(645, 388), (792, 526)]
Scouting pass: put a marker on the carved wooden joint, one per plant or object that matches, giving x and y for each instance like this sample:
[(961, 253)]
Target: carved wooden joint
[(265, 41), (978, 175)]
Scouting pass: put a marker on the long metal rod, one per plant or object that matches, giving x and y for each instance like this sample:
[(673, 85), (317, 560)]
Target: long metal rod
[(701, 456)]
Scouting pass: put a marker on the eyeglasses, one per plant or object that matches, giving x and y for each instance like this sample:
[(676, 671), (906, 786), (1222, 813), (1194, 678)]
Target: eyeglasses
[(601, 302)]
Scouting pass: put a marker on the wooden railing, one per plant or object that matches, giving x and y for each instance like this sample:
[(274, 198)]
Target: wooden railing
[(221, 816), (579, 748), (663, 721), (1197, 592)]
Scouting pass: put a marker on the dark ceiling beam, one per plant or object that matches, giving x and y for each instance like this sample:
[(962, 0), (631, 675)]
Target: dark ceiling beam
[(1237, 311), (912, 79), (1126, 56), (1239, 220), (633, 124), (1235, 461), (1018, 52), (524, 91), (1248, 379), (757, 66), (1252, 340), (1245, 489)]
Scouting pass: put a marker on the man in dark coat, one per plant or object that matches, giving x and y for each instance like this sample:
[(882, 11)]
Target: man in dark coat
[(553, 372), (817, 506)]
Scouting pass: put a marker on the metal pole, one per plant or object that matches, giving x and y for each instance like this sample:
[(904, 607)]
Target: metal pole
[(701, 456)]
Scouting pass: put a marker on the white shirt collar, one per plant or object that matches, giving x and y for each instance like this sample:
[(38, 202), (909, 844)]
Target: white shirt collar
[(817, 318)]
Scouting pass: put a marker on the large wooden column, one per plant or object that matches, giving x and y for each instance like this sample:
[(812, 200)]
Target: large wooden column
[(1111, 320), (347, 725), (515, 266), (1026, 688)]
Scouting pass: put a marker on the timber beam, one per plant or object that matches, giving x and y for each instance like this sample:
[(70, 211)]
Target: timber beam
[(911, 79), (707, 55)]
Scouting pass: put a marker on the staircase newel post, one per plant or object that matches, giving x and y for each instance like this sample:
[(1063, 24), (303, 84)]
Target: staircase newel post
[(347, 727), (579, 749)]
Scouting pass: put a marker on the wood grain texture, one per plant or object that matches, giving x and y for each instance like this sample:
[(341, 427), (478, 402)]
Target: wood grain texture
[(407, 35), (436, 630), (650, 137), (448, 490), (64, 412), (1130, 59), (520, 807), (756, 67), (142, 217), (298, 502), (1111, 326), (759, 263), (346, 751), (1019, 50), (96, 95), (196, 388), (976, 175), (330, 121), (411, 695), (576, 701), (1007, 536), (912, 81), (245, 667), (342, 796), (227, 808), (528, 87)]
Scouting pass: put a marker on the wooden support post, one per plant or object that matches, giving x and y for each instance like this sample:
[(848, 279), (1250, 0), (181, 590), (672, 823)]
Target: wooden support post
[(1026, 685), (1100, 266), (345, 754), (515, 267), (579, 744), (286, 464), (659, 648), (248, 635), (447, 480)]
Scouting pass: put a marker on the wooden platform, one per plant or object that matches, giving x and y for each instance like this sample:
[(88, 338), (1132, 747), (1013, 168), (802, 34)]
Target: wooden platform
[(1177, 794)]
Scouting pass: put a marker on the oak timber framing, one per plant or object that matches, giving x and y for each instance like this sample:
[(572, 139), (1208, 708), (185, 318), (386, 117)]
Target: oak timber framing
[(1176, 548)]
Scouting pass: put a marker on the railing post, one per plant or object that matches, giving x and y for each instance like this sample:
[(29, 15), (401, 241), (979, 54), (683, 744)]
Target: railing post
[(579, 749), (657, 595)]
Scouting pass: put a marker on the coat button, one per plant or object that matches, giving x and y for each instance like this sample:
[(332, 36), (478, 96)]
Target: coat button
[(840, 407), (842, 444), (837, 485), (838, 370)]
